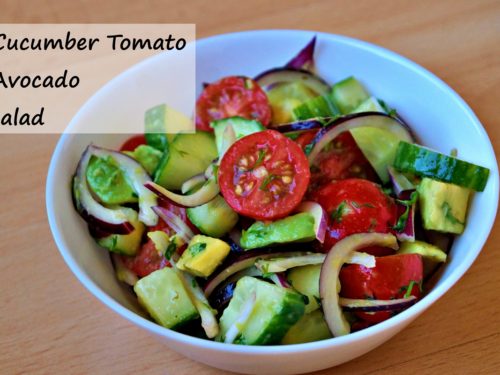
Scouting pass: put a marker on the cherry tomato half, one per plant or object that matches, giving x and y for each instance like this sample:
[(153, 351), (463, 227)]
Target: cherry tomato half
[(390, 278), (355, 206), (264, 175), (134, 141), (232, 96)]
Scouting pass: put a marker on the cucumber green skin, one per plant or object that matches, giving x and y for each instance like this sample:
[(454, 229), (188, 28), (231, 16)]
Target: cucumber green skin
[(348, 94), (311, 327), (241, 126), (186, 156), (164, 297), (299, 227), (321, 106), (214, 218), (427, 163), (276, 309)]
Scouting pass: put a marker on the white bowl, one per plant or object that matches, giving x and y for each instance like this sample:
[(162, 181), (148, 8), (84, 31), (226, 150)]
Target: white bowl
[(440, 118)]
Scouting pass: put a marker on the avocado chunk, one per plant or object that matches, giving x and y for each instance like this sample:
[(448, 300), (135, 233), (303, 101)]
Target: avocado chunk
[(162, 123), (431, 255), (443, 206), (125, 244), (240, 125), (108, 183), (147, 156), (296, 228), (305, 280), (214, 218), (275, 310), (311, 327), (203, 255), (186, 155), (164, 297)]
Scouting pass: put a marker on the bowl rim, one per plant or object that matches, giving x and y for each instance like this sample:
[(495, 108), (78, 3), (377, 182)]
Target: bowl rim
[(269, 350)]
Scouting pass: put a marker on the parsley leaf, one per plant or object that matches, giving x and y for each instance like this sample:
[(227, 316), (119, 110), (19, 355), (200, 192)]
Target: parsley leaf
[(197, 248)]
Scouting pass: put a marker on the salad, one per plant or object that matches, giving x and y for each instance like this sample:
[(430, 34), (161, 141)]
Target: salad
[(297, 211)]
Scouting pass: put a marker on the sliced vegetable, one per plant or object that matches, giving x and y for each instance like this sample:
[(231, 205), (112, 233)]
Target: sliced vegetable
[(137, 176), (147, 156), (264, 175), (425, 162), (311, 327), (111, 220), (177, 224), (405, 224), (205, 194), (329, 276), (239, 264), (284, 97), (355, 206), (187, 155), (214, 218), (266, 321), (319, 215), (431, 254), (373, 305), (305, 58), (320, 106), (443, 206), (228, 130), (270, 78), (399, 181), (162, 123), (193, 183), (123, 274), (349, 94), (229, 97)]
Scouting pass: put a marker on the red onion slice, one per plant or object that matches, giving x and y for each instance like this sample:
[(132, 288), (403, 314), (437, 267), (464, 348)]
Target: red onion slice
[(280, 280), (192, 183), (406, 233), (270, 78), (369, 305), (305, 58), (205, 194), (303, 125), (281, 264), (319, 215), (357, 120), (329, 276), (175, 222), (240, 264), (399, 181)]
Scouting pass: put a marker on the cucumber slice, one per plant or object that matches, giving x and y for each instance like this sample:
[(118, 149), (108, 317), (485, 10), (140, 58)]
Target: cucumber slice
[(348, 94), (162, 123), (379, 145), (214, 218), (276, 309), (305, 280), (285, 97), (241, 127), (425, 162), (321, 106), (164, 297), (187, 155), (311, 327), (369, 105)]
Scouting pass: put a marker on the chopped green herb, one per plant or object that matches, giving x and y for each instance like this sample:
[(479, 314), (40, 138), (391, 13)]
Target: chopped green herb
[(260, 159), (409, 288), (171, 249), (267, 181), (193, 283), (305, 299), (390, 111), (341, 210), (308, 148), (197, 248)]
